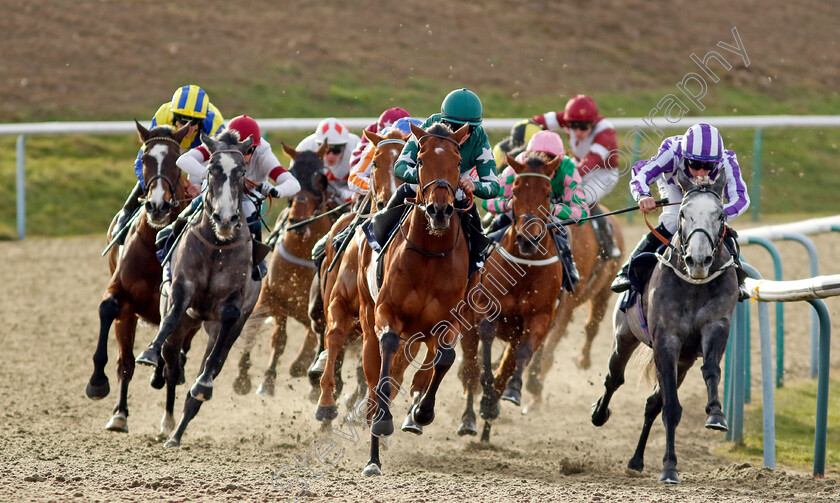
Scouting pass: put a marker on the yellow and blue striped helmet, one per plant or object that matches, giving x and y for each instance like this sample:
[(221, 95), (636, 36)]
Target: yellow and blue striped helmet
[(191, 101)]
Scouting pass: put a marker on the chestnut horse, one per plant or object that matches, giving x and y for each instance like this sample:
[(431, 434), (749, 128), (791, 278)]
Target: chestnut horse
[(285, 292), (211, 281), (339, 288), (596, 273), (425, 278), (134, 289), (522, 310)]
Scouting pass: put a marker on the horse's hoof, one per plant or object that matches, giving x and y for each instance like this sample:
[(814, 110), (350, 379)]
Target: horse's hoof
[(118, 423), (490, 409), (314, 394), (382, 428), (420, 416), (167, 426), (534, 406), (298, 369), (327, 413), (242, 385), (410, 425), (202, 391), (372, 469), (468, 426), (148, 357), (636, 465), (157, 381), (599, 415), (97, 392), (172, 443), (266, 389), (583, 362), (717, 422), (534, 386), (513, 396), (669, 476)]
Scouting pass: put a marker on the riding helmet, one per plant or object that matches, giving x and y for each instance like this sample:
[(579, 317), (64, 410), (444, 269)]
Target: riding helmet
[(462, 106)]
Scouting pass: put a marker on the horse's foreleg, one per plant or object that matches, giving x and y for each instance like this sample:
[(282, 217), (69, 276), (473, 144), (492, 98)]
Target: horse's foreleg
[(544, 356), (242, 383), (666, 352), (715, 336), (624, 344), (318, 325), (597, 310), (125, 330), (424, 412), (303, 359), (489, 407), (278, 345), (231, 322), (469, 379), (98, 387), (191, 407), (335, 340), (182, 293), (535, 328), (383, 424)]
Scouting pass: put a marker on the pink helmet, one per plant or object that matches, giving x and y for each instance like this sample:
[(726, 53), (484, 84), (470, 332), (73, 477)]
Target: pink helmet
[(389, 117), (546, 141)]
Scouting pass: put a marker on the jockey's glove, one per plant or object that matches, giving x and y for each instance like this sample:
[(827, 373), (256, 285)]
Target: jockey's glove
[(267, 189)]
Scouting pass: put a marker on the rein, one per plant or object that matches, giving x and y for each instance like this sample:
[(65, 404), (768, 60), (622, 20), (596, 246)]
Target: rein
[(411, 245), (530, 218)]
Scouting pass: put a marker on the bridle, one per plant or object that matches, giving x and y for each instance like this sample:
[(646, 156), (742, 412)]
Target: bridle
[(173, 202), (715, 242), (371, 180), (440, 182), (529, 219)]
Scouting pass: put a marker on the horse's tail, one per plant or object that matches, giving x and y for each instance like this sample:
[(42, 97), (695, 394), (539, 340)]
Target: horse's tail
[(645, 358), (248, 337)]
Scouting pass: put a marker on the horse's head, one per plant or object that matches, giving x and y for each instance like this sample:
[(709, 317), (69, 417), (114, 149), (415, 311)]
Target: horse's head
[(383, 184), (701, 224), (307, 167), (438, 171), (161, 148), (225, 182), (531, 199)]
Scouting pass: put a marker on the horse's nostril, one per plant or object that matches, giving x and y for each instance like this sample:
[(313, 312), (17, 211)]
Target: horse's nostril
[(149, 207), (165, 206), (380, 205), (689, 261), (449, 210), (217, 218), (707, 262), (234, 218)]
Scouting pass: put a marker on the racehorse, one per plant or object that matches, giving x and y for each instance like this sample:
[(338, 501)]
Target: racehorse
[(339, 287), (522, 309), (424, 278), (134, 289), (596, 273), (688, 304), (285, 293), (211, 280)]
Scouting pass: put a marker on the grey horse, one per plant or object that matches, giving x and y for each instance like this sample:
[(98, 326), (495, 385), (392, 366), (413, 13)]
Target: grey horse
[(688, 304), (211, 281)]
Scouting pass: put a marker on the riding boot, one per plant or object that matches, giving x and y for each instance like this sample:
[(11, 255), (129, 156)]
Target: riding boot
[(649, 243), (124, 216), (385, 220), (478, 242), (319, 251), (570, 272), (730, 240), (502, 221), (258, 251), (607, 248)]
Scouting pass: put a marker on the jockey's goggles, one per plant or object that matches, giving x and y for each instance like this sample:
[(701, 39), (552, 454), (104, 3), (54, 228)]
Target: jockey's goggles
[(185, 119), (701, 165), (336, 149), (582, 125)]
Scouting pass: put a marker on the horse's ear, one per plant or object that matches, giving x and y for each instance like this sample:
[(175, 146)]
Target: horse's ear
[(142, 131), (208, 142), (683, 180), (245, 145), (405, 136), (181, 133), (322, 150), (550, 167), (516, 166), (462, 134), (372, 137), (417, 131), (290, 151), (720, 183)]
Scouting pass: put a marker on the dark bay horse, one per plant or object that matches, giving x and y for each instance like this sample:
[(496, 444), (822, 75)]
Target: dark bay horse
[(521, 280), (596, 274), (688, 304), (211, 280), (285, 292), (134, 289), (339, 287), (425, 278)]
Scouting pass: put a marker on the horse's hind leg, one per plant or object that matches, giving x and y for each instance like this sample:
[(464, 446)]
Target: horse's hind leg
[(469, 378), (424, 412), (191, 407), (597, 310), (98, 387), (242, 383), (535, 328), (624, 344), (231, 325), (715, 336), (304, 357), (489, 405), (125, 329), (318, 326), (543, 359), (278, 345)]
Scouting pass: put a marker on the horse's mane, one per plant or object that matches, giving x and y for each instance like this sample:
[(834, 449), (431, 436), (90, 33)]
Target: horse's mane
[(394, 134), (439, 128), (229, 136), (535, 159), (162, 130)]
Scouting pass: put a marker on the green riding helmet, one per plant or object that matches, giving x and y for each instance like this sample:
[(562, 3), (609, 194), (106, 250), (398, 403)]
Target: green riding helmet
[(461, 106)]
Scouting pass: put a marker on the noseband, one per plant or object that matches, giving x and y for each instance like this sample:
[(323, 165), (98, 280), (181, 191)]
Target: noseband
[(173, 202), (713, 241), (530, 217), (440, 182)]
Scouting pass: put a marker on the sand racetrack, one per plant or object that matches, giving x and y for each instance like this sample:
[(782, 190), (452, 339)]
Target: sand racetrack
[(54, 447)]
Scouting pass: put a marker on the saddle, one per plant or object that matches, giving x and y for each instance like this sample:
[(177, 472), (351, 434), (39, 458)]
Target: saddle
[(641, 268)]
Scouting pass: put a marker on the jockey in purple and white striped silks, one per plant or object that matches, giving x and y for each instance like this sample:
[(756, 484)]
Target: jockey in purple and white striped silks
[(701, 142)]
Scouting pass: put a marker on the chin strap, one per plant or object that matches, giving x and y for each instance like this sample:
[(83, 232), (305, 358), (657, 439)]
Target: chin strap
[(666, 260)]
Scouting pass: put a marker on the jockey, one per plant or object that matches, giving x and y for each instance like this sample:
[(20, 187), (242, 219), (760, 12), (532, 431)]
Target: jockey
[(520, 134), (337, 159), (478, 172), (592, 140), (387, 119), (189, 105), (359, 180), (260, 165), (699, 152), (567, 198)]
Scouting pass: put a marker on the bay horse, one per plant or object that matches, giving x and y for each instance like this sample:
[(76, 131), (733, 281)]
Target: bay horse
[(134, 288), (285, 292), (339, 287), (211, 280), (596, 273), (522, 310), (688, 304), (424, 279)]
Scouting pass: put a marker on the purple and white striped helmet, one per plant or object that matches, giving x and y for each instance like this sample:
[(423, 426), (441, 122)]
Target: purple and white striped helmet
[(702, 142)]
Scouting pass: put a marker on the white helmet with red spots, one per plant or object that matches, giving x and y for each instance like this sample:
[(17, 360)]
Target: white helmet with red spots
[(333, 131)]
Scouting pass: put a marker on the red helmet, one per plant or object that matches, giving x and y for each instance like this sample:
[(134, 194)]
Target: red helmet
[(581, 109), (389, 117), (245, 126)]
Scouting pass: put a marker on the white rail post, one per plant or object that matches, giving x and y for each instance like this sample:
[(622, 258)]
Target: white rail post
[(20, 186)]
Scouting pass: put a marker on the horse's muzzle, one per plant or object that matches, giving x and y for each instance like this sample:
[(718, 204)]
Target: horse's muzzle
[(439, 215), (226, 228), (698, 267)]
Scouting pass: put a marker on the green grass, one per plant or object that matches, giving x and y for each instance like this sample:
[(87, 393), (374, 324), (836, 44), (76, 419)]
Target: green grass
[(796, 406)]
